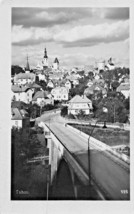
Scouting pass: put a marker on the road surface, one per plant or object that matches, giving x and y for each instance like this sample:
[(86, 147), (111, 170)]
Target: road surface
[(110, 174)]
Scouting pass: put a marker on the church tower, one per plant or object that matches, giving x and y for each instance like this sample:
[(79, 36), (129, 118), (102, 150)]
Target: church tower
[(45, 60), (27, 68), (56, 64)]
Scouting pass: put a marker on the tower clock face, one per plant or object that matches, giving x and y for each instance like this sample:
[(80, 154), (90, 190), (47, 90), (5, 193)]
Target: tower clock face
[(45, 61)]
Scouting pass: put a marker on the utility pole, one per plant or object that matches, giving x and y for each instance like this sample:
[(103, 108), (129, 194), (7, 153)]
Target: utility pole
[(114, 112)]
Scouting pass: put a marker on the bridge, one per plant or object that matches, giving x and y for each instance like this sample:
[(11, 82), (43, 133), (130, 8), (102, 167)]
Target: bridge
[(106, 171)]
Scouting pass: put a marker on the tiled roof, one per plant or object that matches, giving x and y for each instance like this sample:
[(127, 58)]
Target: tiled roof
[(24, 113), (92, 88), (123, 86), (16, 114), (61, 90), (18, 104), (25, 76), (19, 89), (33, 85), (80, 99), (39, 94), (16, 88)]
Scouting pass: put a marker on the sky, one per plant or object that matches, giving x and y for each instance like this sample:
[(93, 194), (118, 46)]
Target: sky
[(76, 36)]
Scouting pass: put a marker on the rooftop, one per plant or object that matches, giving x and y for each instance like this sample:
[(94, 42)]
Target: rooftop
[(25, 76), (40, 94), (124, 86), (18, 114), (80, 99)]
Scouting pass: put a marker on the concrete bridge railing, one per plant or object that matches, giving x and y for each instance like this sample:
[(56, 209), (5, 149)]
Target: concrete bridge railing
[(123, 126)]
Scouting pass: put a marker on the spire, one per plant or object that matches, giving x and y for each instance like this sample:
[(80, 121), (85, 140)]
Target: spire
[(45, 53), (27, 65), (56, 60)]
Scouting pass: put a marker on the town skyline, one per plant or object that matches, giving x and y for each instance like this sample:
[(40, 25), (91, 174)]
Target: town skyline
[(76, 36)]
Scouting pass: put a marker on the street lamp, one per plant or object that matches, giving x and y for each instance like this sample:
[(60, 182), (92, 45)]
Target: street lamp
[(105, 110), (89, 169)]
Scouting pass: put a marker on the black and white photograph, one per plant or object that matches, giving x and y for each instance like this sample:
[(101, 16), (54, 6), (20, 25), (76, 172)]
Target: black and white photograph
[(69, 106)]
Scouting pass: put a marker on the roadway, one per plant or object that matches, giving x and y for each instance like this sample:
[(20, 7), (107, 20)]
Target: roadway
[(110, 174)]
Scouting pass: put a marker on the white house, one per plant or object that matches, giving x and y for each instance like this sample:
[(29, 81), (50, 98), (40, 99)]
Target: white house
[(78, 103), (50, 84), (124, 88), (60, 93), (24, 78), (41, 77), (21, 93), (41, 98), (19, 118)]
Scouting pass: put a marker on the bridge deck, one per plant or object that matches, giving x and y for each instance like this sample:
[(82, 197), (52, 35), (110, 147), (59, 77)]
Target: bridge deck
[(109, 173)]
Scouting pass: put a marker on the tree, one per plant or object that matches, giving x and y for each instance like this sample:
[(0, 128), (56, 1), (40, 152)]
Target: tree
[(72, 92), (116, 110), (81, 114), (90, 75), (114, 85), (34, 110), (71, 116), (43, 84), (48, 107), (64, 111), (16, 69), (127, 103)]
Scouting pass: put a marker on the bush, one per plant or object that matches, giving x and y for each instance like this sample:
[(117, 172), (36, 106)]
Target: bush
[(48, 107), (64, 111), (71, 116)]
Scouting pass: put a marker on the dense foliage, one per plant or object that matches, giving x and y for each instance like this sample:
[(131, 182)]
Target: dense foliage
[(15, 69)]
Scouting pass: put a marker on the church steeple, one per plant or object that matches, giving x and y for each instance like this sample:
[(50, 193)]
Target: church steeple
[(45, 54), (45, 60), (27, 65)]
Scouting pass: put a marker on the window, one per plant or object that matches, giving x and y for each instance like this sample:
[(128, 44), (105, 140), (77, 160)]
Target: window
[(16, 123)]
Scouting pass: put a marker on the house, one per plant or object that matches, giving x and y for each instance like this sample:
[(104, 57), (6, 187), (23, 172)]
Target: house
[(56, 76), (41, 77), (110, 65), (90, 83), (41, 98), (21, 93), (20, 118), (19, 104), (99, 81), (50, 84), (34, 86), (24, 78), (124, 88), (78, 103), (60, 93), (95, 89)]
